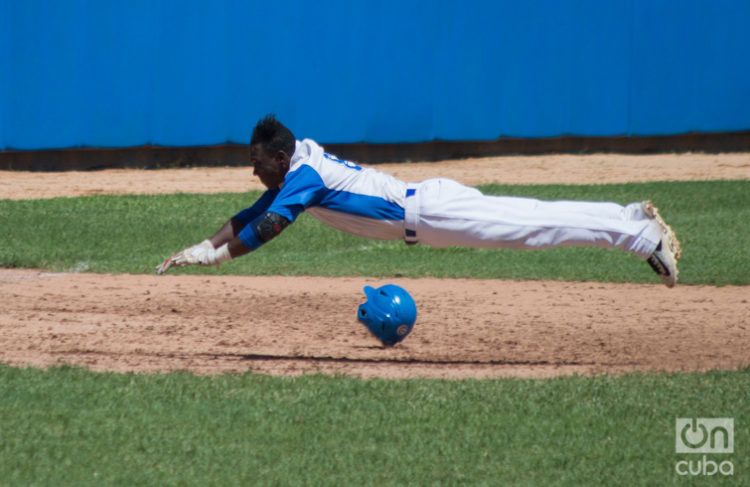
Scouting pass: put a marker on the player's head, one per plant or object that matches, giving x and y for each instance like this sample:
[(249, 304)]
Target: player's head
[(271, 149)]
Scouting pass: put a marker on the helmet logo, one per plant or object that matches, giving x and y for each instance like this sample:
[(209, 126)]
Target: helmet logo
[(402, 330)]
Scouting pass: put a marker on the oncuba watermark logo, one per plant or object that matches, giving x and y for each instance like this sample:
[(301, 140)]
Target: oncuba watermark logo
[(709, 436)]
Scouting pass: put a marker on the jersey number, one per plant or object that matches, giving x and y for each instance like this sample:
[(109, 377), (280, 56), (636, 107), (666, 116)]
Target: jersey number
[(335, 159)]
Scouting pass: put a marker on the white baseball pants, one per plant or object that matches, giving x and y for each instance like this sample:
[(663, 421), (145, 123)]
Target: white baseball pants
[(444, 213)]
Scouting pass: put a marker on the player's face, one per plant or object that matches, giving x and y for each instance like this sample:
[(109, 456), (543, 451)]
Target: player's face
[(270, 168)]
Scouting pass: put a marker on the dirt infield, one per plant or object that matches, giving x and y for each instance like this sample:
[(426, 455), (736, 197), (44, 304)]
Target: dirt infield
[(562, 169), (303, 324)]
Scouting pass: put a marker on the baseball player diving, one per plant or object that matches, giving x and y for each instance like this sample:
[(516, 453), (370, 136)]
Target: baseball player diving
[(301, 176)]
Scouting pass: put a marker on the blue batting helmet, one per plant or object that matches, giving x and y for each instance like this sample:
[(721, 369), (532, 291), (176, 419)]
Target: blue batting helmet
[(389, 313)]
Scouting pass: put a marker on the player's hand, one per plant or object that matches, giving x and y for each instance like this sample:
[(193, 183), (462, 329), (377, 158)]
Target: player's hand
[(197, 254), (164, 266)]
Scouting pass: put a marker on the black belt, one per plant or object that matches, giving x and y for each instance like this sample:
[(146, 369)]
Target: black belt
[(411, 215)]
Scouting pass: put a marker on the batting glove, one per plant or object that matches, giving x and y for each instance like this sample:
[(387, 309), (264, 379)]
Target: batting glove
[(202, 254)]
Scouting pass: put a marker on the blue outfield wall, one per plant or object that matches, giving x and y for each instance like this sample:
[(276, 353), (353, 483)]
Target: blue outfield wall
[(119, 73)]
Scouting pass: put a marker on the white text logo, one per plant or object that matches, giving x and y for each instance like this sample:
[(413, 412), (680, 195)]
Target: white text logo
[(704, 435)]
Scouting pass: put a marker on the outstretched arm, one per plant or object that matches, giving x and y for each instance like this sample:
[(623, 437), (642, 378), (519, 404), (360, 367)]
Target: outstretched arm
[(234, 225), (202, 252), (264, 228), (254, 226), (226, 233)]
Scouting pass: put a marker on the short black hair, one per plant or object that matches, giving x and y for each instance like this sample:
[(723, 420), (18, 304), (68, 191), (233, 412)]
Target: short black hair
[(273, 135)]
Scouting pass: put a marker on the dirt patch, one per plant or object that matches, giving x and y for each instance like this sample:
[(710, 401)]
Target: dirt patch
[(560, 169), (284, 325)]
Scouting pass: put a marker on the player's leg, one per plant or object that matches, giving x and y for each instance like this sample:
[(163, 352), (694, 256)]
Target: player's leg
[(453, 214), (633, 211)]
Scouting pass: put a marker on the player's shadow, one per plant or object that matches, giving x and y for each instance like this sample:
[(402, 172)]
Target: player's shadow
[(403, 360)]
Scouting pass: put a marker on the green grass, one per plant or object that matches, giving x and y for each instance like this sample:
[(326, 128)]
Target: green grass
[(134, 233), (67, 426)]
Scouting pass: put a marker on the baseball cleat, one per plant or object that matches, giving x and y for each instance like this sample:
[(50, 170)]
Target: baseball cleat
[(663, 262), (667, 233), (664, 259)]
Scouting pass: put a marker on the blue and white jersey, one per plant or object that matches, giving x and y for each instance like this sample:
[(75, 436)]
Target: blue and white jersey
[(339, 193)]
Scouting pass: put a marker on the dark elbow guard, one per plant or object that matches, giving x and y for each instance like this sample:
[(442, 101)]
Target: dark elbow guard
[(270, 225)]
